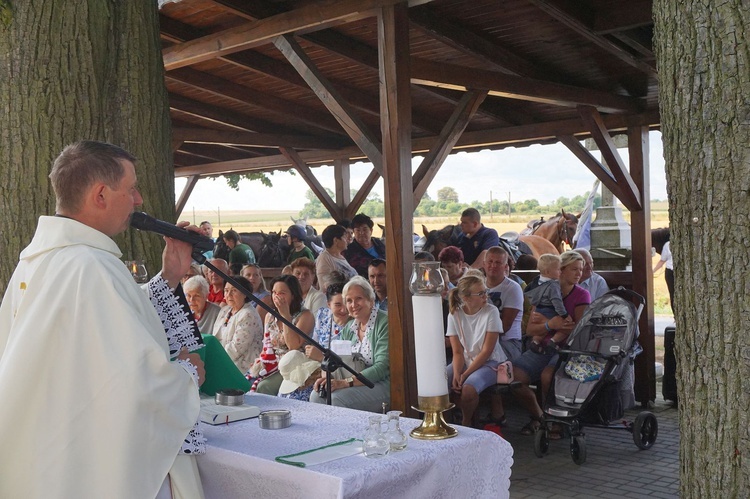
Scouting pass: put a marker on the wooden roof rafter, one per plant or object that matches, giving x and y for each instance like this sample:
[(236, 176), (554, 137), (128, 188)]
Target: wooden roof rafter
[(263, 31), (330, 97), (570, 14)]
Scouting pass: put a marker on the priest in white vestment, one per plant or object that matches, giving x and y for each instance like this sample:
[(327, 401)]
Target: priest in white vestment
[(92, 405)]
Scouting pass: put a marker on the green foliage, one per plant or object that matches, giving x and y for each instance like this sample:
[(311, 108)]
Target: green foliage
[(233, 181), (314, 207), (6, 13), (447, 194), (449, 207)]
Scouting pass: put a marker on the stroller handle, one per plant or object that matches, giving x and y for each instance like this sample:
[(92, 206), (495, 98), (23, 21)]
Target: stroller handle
[(627, 294)]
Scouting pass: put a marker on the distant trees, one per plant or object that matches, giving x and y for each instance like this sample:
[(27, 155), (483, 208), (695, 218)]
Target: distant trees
[(448, 205), (447, 194)]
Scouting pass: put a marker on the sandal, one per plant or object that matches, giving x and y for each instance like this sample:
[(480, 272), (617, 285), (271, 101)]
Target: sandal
[(531, 427), (555, 432), (490, 419)]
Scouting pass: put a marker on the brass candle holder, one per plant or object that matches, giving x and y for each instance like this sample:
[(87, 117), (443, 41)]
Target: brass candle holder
[(433, 425)]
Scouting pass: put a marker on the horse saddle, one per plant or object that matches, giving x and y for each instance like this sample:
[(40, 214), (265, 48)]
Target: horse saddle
[(532, 226), (510, 242)]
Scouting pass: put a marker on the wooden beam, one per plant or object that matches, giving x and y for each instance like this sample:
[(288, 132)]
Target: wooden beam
[(623, 16), (362, 194), (515, 87), (252, 139), (395, 127), (216, 114), (356, 97), (268, 66), (643, 279), (342, 174), (243, 95), (601, 171), (330, 97), (450, 134), (600, 134), (312, 181), (493, 138), (466, 41), (185, 194), (561, 13), (310, 16)]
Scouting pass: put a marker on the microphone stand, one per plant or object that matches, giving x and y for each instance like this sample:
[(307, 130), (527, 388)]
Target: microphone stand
[(331, 360)]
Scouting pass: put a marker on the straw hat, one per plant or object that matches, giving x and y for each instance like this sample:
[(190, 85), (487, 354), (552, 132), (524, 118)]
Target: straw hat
[(296, 369)]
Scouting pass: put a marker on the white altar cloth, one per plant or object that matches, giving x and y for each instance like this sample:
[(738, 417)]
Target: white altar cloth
[(239, 461)]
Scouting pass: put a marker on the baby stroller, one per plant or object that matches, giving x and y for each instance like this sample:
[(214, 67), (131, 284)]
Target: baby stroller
[(594, 365)]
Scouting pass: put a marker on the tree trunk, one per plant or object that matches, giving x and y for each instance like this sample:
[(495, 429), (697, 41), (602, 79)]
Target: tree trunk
[(80, 70), (704, 72)]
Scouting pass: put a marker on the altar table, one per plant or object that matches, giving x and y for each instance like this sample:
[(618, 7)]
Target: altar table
[(239, 461)]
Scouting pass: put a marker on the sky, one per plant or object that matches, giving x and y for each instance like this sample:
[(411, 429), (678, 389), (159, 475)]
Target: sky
[(541, 172)]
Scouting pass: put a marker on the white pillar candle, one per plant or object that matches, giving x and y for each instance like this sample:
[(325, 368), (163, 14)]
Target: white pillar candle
[(429, 345)]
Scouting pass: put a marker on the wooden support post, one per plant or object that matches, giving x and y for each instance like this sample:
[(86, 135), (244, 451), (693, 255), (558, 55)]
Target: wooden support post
[(395, 125), (313, 182), (342, 172), (185, 194), (643, 279)]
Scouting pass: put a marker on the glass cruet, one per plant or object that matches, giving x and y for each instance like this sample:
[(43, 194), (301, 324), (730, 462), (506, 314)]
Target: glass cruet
[(375, 443), (396, 437)]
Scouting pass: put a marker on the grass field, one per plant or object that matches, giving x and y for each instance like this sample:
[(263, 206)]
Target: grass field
[(273, 221)]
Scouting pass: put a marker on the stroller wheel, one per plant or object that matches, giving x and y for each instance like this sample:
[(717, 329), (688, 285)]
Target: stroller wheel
[(645, 429), (578, 449), (541, 442)]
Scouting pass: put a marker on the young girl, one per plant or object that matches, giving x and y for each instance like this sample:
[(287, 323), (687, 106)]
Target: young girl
[(474, 328)]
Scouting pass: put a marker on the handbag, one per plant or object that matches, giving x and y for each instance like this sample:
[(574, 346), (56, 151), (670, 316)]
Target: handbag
[(504, 369)]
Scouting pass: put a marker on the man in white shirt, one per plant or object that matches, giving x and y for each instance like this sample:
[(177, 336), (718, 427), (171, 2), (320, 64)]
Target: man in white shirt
[(507, 296), (590, 280), (93, 405)]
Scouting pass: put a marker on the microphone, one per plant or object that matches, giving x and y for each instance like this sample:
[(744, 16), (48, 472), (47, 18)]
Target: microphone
[(142, 221)]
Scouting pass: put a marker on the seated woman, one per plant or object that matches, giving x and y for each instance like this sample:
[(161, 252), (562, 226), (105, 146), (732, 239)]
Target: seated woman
[(304, 270), (329, 321), (287, 301), (474, 329), (330, 260), (368, 333), (451, 259), (205, 313), (364, 248), (238, 327), (533, 367), (254, 274)]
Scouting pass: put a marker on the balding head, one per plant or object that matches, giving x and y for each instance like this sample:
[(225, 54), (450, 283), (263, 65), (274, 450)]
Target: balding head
[(588, 263)]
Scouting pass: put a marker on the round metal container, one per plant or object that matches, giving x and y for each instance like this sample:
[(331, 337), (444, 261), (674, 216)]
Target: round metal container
[(275, 420), (230, 397)]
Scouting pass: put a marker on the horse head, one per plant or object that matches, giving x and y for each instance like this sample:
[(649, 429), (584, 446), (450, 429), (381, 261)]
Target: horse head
[(436, 240), (566, 225), (221, 250)]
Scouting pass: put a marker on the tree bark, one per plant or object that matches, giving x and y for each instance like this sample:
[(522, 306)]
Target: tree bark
[(704, 73), (80, 70)]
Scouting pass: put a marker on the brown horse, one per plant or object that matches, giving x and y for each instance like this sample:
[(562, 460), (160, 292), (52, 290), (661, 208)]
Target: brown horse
[(557, 230), (436, 240)]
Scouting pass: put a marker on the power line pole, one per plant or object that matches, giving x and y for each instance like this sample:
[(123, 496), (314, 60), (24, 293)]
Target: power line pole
[(508, 206)]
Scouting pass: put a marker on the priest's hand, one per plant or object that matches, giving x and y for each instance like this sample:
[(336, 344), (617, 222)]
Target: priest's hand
[(194, 359), (177, 257)]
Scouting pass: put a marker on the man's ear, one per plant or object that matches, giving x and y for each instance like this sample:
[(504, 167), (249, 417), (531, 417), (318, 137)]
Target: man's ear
[(100, 195)]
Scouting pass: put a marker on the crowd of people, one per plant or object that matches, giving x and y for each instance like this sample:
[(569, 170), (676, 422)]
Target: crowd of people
[(490, 316), (50, 339)]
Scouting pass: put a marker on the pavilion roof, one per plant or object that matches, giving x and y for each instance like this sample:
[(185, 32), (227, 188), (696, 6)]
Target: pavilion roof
[(518, 72)]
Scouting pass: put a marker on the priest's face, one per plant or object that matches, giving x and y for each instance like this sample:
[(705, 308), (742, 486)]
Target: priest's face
[(122, 200)]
